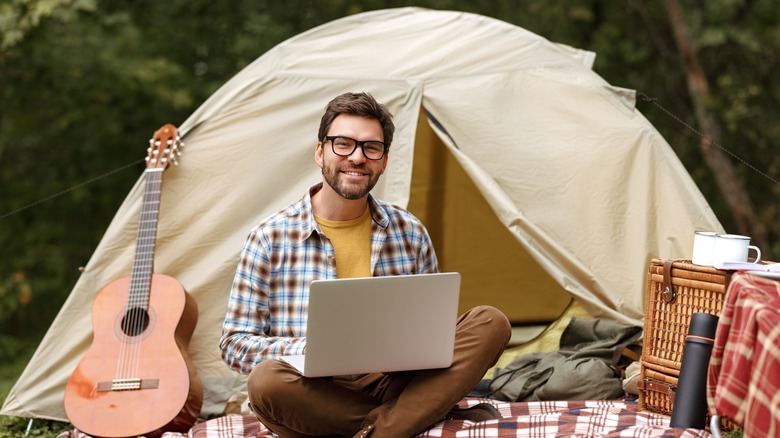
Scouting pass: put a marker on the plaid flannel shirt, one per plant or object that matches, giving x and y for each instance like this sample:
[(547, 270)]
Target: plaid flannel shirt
[(267, 309)]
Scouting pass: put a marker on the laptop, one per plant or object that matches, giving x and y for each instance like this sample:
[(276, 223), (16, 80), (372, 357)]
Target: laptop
[(380, 324)]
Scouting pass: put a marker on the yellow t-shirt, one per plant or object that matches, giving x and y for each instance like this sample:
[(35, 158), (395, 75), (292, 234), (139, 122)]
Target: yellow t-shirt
[(352, 243)]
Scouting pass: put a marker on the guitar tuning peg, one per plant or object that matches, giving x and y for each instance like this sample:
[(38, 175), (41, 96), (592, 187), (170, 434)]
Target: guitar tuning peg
[(174, 160)]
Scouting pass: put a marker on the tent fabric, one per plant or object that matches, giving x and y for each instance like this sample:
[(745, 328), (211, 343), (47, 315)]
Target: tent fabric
[(559, 164)]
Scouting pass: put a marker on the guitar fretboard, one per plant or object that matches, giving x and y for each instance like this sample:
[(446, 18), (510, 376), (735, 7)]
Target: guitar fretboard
[(143, 264)]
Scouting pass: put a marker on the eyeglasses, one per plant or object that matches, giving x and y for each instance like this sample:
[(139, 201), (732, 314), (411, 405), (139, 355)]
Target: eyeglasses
[(345, 146)]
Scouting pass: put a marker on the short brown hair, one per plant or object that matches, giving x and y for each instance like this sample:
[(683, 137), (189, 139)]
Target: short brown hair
[(358, 104)]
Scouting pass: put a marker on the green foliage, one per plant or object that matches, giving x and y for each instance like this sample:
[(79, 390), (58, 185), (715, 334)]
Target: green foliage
[(736, 433), (17, 427), (19, 17)]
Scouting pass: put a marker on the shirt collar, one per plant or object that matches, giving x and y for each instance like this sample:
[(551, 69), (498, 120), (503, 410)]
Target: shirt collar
[(309, 224)]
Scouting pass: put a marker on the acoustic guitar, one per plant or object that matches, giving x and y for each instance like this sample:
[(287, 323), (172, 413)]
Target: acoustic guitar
[(136, 377)]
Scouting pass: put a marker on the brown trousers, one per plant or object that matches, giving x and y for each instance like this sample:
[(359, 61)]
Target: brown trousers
[(400, 404)]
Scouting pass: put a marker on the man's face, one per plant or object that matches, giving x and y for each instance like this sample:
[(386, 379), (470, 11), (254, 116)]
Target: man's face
[(353, 176)]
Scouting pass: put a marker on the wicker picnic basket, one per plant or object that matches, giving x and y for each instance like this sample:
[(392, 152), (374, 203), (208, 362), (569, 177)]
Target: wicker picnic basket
[(676, 289)]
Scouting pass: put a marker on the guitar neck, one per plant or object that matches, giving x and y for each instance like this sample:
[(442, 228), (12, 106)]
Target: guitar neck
[(143, 264)]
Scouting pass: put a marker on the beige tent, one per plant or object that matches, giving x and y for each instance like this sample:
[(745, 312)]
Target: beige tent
[(538, 180)]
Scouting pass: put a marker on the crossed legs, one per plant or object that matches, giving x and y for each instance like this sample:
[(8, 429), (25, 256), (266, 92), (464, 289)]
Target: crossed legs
[(396, 404)]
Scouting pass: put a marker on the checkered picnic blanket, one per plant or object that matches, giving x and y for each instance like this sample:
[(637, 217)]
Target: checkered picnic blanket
[(544, 419), (529, 419), (744, 372)]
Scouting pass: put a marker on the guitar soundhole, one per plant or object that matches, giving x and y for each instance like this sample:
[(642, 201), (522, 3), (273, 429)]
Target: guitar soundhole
[(135, 322)]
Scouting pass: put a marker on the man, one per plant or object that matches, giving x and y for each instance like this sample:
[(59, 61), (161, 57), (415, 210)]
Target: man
[(339, 230)]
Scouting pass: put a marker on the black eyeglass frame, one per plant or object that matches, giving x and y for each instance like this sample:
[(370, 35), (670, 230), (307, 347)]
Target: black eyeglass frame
[(360, 144)]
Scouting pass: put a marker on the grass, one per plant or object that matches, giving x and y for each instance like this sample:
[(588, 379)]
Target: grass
[(15, 427)]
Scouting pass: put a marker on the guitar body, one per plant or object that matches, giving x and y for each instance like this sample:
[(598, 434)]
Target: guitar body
[(136, 378)]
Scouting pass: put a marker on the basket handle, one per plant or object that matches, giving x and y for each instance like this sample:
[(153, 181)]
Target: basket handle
[(669, 293)]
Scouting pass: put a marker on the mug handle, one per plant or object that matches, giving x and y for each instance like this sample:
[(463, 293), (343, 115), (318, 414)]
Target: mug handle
[(758, 253)]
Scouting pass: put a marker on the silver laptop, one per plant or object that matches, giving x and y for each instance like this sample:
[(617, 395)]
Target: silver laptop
[(380, 324)]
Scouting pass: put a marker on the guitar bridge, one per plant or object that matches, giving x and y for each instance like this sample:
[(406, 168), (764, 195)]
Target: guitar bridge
[(127, 384)]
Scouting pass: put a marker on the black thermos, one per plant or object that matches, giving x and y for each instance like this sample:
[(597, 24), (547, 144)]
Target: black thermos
[(690, 402)]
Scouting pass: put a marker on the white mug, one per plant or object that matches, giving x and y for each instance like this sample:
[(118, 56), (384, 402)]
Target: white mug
[(733, 248), (703, 247)]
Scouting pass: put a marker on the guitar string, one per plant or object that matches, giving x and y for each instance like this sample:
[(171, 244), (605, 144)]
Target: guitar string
[(145, 317), (127, 327), (128, 362), (142, 286), (125, 356), (140, 305), (139, 275)]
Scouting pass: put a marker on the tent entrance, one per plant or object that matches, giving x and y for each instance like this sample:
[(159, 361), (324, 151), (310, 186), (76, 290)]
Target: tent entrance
[(470, 239)]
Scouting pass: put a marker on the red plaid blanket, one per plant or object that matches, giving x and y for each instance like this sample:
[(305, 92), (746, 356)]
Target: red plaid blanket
[(744, 373), (532, 419)]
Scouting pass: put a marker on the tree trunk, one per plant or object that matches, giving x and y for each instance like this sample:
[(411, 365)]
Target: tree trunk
[(730, 185)]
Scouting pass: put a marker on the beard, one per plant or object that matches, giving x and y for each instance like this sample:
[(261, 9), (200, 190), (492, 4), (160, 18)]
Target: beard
[(348, 189)]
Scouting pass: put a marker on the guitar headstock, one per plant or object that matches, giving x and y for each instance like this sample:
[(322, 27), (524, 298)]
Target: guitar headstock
[(164, 147)]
